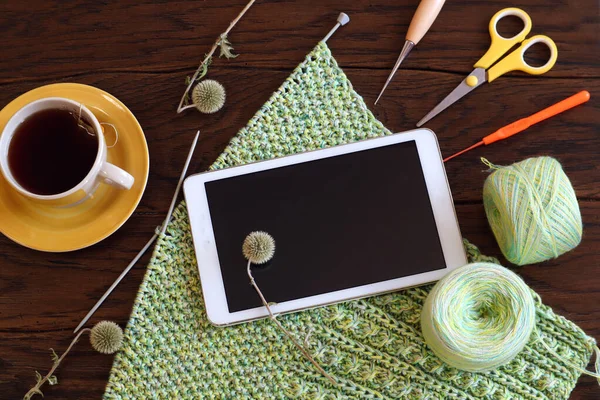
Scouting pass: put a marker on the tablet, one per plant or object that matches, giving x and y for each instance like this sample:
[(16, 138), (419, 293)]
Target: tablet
[(348, 221)]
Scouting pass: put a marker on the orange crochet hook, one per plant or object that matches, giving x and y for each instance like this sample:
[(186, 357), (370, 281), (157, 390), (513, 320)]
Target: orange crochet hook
[(522, 124)]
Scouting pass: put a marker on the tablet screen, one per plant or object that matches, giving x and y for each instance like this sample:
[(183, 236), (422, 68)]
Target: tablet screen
[(339, 222)]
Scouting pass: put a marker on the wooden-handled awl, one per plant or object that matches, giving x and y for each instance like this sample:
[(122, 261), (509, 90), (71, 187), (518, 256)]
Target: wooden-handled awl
[(426, 13)]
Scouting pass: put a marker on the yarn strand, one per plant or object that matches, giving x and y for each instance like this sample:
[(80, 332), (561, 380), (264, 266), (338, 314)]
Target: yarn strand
[(489, 164), (579, 369)]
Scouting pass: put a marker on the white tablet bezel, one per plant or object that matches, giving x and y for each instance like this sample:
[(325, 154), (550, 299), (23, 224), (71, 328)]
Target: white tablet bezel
[(206, 250)]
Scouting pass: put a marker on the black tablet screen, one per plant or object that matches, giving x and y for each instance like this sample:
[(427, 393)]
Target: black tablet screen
[(338, 223)]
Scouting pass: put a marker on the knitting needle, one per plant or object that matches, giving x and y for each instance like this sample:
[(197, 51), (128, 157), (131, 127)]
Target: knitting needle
[(342, 20), (149, 243), (522, 124), (178, 188), (426, 13)]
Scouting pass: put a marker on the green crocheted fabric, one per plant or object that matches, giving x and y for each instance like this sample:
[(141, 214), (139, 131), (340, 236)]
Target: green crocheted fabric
[(373, 347)]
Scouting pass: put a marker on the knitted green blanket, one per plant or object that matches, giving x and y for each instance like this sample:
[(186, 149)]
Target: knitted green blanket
[(373, 347)]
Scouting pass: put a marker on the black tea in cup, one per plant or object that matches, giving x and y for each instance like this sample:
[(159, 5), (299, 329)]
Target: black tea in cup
[(52, 151)]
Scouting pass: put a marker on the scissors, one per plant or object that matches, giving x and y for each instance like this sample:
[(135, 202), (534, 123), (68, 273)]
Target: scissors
[(499, 47)]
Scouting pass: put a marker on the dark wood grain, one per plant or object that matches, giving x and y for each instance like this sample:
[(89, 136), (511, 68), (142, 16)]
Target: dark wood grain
[(141, 51)]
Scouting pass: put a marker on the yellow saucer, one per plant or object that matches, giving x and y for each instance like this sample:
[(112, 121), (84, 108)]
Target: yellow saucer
[(46, 228)]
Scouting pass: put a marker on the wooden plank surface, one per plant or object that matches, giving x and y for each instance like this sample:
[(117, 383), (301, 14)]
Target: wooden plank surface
[(141, 51)]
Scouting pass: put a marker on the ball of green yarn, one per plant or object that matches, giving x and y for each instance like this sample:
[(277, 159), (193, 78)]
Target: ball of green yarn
[(533, 211), (478, 317)]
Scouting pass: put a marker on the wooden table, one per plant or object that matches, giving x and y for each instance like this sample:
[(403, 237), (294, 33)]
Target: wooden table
[(141, 52)]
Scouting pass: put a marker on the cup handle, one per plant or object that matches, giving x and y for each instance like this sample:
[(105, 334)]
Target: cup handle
[(115, 176)]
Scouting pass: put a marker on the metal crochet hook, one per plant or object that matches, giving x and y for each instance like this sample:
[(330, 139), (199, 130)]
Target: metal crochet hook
[(518, 126), (152, 239), (426, 13)]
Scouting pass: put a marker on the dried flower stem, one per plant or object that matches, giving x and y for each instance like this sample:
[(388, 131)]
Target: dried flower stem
[(287, 333), (181, 107), (36, 389)]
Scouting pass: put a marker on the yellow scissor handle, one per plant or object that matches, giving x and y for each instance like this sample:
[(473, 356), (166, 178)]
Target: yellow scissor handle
[(515, 61), (500, 45)]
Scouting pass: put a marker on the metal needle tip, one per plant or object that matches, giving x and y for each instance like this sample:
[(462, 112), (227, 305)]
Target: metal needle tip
[(481, 143), (342, 20), (408, 46)]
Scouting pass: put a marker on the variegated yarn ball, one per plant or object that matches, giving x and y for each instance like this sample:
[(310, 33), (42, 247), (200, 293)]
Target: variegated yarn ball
[(478, 317), (532, 209)]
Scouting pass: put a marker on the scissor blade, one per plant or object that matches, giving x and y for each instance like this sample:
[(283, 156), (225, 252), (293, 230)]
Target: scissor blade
[(460, 91)]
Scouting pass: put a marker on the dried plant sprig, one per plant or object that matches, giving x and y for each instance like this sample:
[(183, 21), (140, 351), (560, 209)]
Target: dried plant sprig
[(202, 74), (259, 248), (112, 341), (226, 48), (220, 42), (52, 380)]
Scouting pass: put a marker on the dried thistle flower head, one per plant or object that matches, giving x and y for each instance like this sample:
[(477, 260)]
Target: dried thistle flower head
[(258, 247), (208, 96), (106, 337)]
